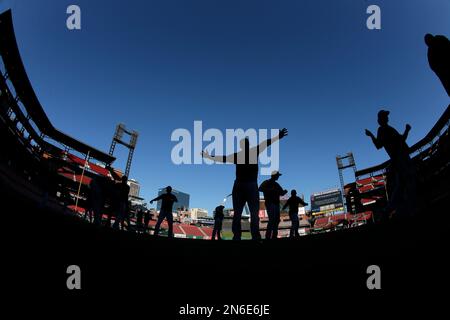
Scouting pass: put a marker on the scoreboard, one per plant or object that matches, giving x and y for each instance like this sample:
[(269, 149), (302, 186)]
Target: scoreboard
[(326, 201)]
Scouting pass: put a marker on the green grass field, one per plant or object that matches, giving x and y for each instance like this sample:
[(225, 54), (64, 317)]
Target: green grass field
[(228, 235)]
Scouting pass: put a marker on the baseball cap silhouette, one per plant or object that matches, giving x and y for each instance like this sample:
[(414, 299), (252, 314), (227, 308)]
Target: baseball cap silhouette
[(382, 113), (276, 173)]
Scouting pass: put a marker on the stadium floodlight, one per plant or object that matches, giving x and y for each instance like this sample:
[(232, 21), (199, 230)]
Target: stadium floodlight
[(343, 163), (121, 130)]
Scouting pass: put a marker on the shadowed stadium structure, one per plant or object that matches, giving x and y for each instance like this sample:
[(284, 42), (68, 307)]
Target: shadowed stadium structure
[(41, 169)]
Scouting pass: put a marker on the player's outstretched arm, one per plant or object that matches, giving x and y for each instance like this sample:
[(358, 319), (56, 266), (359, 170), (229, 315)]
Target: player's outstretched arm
[(407, 130), (224, 159), (266, 143), (375, 141)]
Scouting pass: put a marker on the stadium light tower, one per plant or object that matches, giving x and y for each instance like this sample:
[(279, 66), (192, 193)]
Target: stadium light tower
[(131, 145), (345, 162)]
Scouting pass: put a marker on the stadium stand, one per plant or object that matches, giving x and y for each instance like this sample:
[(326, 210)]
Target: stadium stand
[(16, 74), (208, 231), (339, 221), (193, 231), (178, 231), (31, 134)]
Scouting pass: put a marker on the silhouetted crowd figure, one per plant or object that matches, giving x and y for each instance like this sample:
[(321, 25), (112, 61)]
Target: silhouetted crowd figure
[(272, 192), (103, 191), (246, 191), (403, 195), (293, 203), (245, 187), (218, 220), (167, 201)]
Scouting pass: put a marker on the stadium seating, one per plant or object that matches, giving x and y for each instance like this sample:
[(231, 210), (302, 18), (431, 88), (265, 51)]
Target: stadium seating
[(30, 134), (208, 231), (75, 177), (321, 222), (371, 183), (340, 220), (364, 216), (178, 230), (339, 217), (90, 166), (192, 231)]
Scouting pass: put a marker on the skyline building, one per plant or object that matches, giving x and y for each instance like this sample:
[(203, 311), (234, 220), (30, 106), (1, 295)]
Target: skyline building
[(183, 200)]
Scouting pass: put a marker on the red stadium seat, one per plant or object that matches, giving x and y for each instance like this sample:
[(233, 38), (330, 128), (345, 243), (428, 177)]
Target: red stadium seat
[(192, 230), (364, 181), (177, 229), (366, 188), (208, 231), (93, 167)]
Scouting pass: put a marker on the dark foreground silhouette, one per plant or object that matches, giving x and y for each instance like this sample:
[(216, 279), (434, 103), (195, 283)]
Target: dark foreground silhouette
[(439, 58), (402, 169), (167, 201), (272, 192), (293, 203), (330, 263), (218, 221)]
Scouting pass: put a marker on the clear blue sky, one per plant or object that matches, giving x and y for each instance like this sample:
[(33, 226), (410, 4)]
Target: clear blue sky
[(311, 66)]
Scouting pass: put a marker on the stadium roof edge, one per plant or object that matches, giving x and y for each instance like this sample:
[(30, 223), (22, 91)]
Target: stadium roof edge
[(16, 72)]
